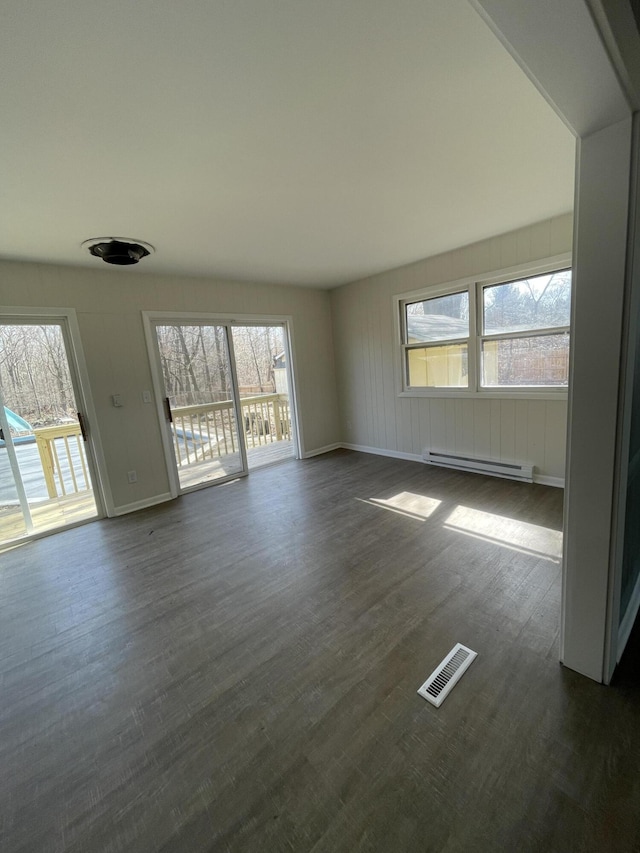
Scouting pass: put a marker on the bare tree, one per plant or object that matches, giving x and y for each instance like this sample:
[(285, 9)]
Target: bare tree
[(34, 373), (256, 348)]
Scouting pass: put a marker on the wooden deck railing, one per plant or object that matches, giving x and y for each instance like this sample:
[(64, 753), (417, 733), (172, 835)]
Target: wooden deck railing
[(208, 431), (63, 459), (199, 433)]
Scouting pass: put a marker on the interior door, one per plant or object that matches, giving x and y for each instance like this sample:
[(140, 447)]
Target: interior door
[(201, 401), (45, 466)]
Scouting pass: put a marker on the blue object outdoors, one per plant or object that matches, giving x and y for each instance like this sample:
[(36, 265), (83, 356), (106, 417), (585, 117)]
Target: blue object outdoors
[(18, 424)]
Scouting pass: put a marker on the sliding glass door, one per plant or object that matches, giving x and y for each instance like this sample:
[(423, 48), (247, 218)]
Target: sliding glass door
[(45, 470), (227, 396), (264, 384), (200, 401)]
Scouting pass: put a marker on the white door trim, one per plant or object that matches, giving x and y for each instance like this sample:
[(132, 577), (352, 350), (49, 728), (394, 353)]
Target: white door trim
[(82, 390)]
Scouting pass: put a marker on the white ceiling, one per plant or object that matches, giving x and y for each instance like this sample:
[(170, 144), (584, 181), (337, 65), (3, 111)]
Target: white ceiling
[(290, 141)]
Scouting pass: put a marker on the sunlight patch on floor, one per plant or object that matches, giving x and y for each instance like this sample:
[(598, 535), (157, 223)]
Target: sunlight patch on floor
[(498, 529), (418, 507)]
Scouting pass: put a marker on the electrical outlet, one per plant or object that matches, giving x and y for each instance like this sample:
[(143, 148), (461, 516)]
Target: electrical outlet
[(146, 396), (132, 477)]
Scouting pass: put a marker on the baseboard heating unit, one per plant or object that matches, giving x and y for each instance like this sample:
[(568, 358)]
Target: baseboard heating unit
[(494, 467)]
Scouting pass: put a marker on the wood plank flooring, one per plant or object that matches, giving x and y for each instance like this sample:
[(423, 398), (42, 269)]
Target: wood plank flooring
[(236, 671)]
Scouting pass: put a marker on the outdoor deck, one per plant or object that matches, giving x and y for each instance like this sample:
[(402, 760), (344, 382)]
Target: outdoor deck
[(46, 515), (212, 470)]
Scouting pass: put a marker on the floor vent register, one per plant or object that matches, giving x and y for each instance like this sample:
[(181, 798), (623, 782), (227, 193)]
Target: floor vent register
[(445, 677)]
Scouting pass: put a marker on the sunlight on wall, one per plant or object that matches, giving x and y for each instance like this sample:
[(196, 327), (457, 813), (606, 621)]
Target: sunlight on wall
[(516, 535)]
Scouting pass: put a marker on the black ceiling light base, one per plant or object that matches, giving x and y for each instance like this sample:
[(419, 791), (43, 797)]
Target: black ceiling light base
[(115, 250)]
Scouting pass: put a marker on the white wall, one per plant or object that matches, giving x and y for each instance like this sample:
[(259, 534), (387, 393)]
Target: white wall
[(109, 303), (602, 219), (626, 590), (373, 415)]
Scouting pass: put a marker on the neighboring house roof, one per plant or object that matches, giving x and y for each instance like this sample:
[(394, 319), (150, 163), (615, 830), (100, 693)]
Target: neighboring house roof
[(435, 327)]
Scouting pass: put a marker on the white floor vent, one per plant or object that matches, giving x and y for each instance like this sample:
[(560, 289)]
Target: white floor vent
[(510, 470), (444, 678)]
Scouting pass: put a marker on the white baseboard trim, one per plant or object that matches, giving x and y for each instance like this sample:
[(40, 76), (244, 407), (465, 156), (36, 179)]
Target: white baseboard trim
[(136, 505), (381, 451), (544, 480), (320, 450), (629, 618)]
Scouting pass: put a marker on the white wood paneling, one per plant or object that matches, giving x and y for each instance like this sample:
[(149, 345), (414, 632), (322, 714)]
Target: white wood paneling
[(367, 359), (536, 426), (507, 412), (482, 434)]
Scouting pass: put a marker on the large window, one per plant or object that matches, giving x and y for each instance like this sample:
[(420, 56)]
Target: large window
[(500, 335)]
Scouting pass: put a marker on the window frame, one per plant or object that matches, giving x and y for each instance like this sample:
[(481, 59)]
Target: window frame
[(435, 293), (474, 286)]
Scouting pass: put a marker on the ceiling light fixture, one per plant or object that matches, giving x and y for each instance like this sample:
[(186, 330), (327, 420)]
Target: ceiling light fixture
[(118, 250)]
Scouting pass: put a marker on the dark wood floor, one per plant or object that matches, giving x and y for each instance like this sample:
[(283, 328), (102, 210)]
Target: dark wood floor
[(237, 671)]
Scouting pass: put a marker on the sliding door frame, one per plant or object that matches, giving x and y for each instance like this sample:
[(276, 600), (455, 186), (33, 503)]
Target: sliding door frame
[(285, 325), (151, 319), (67, 319)]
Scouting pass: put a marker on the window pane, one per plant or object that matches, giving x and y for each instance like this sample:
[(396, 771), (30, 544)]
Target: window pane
[(438, 319), (541, 302), (539, 360), (438, 367)]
